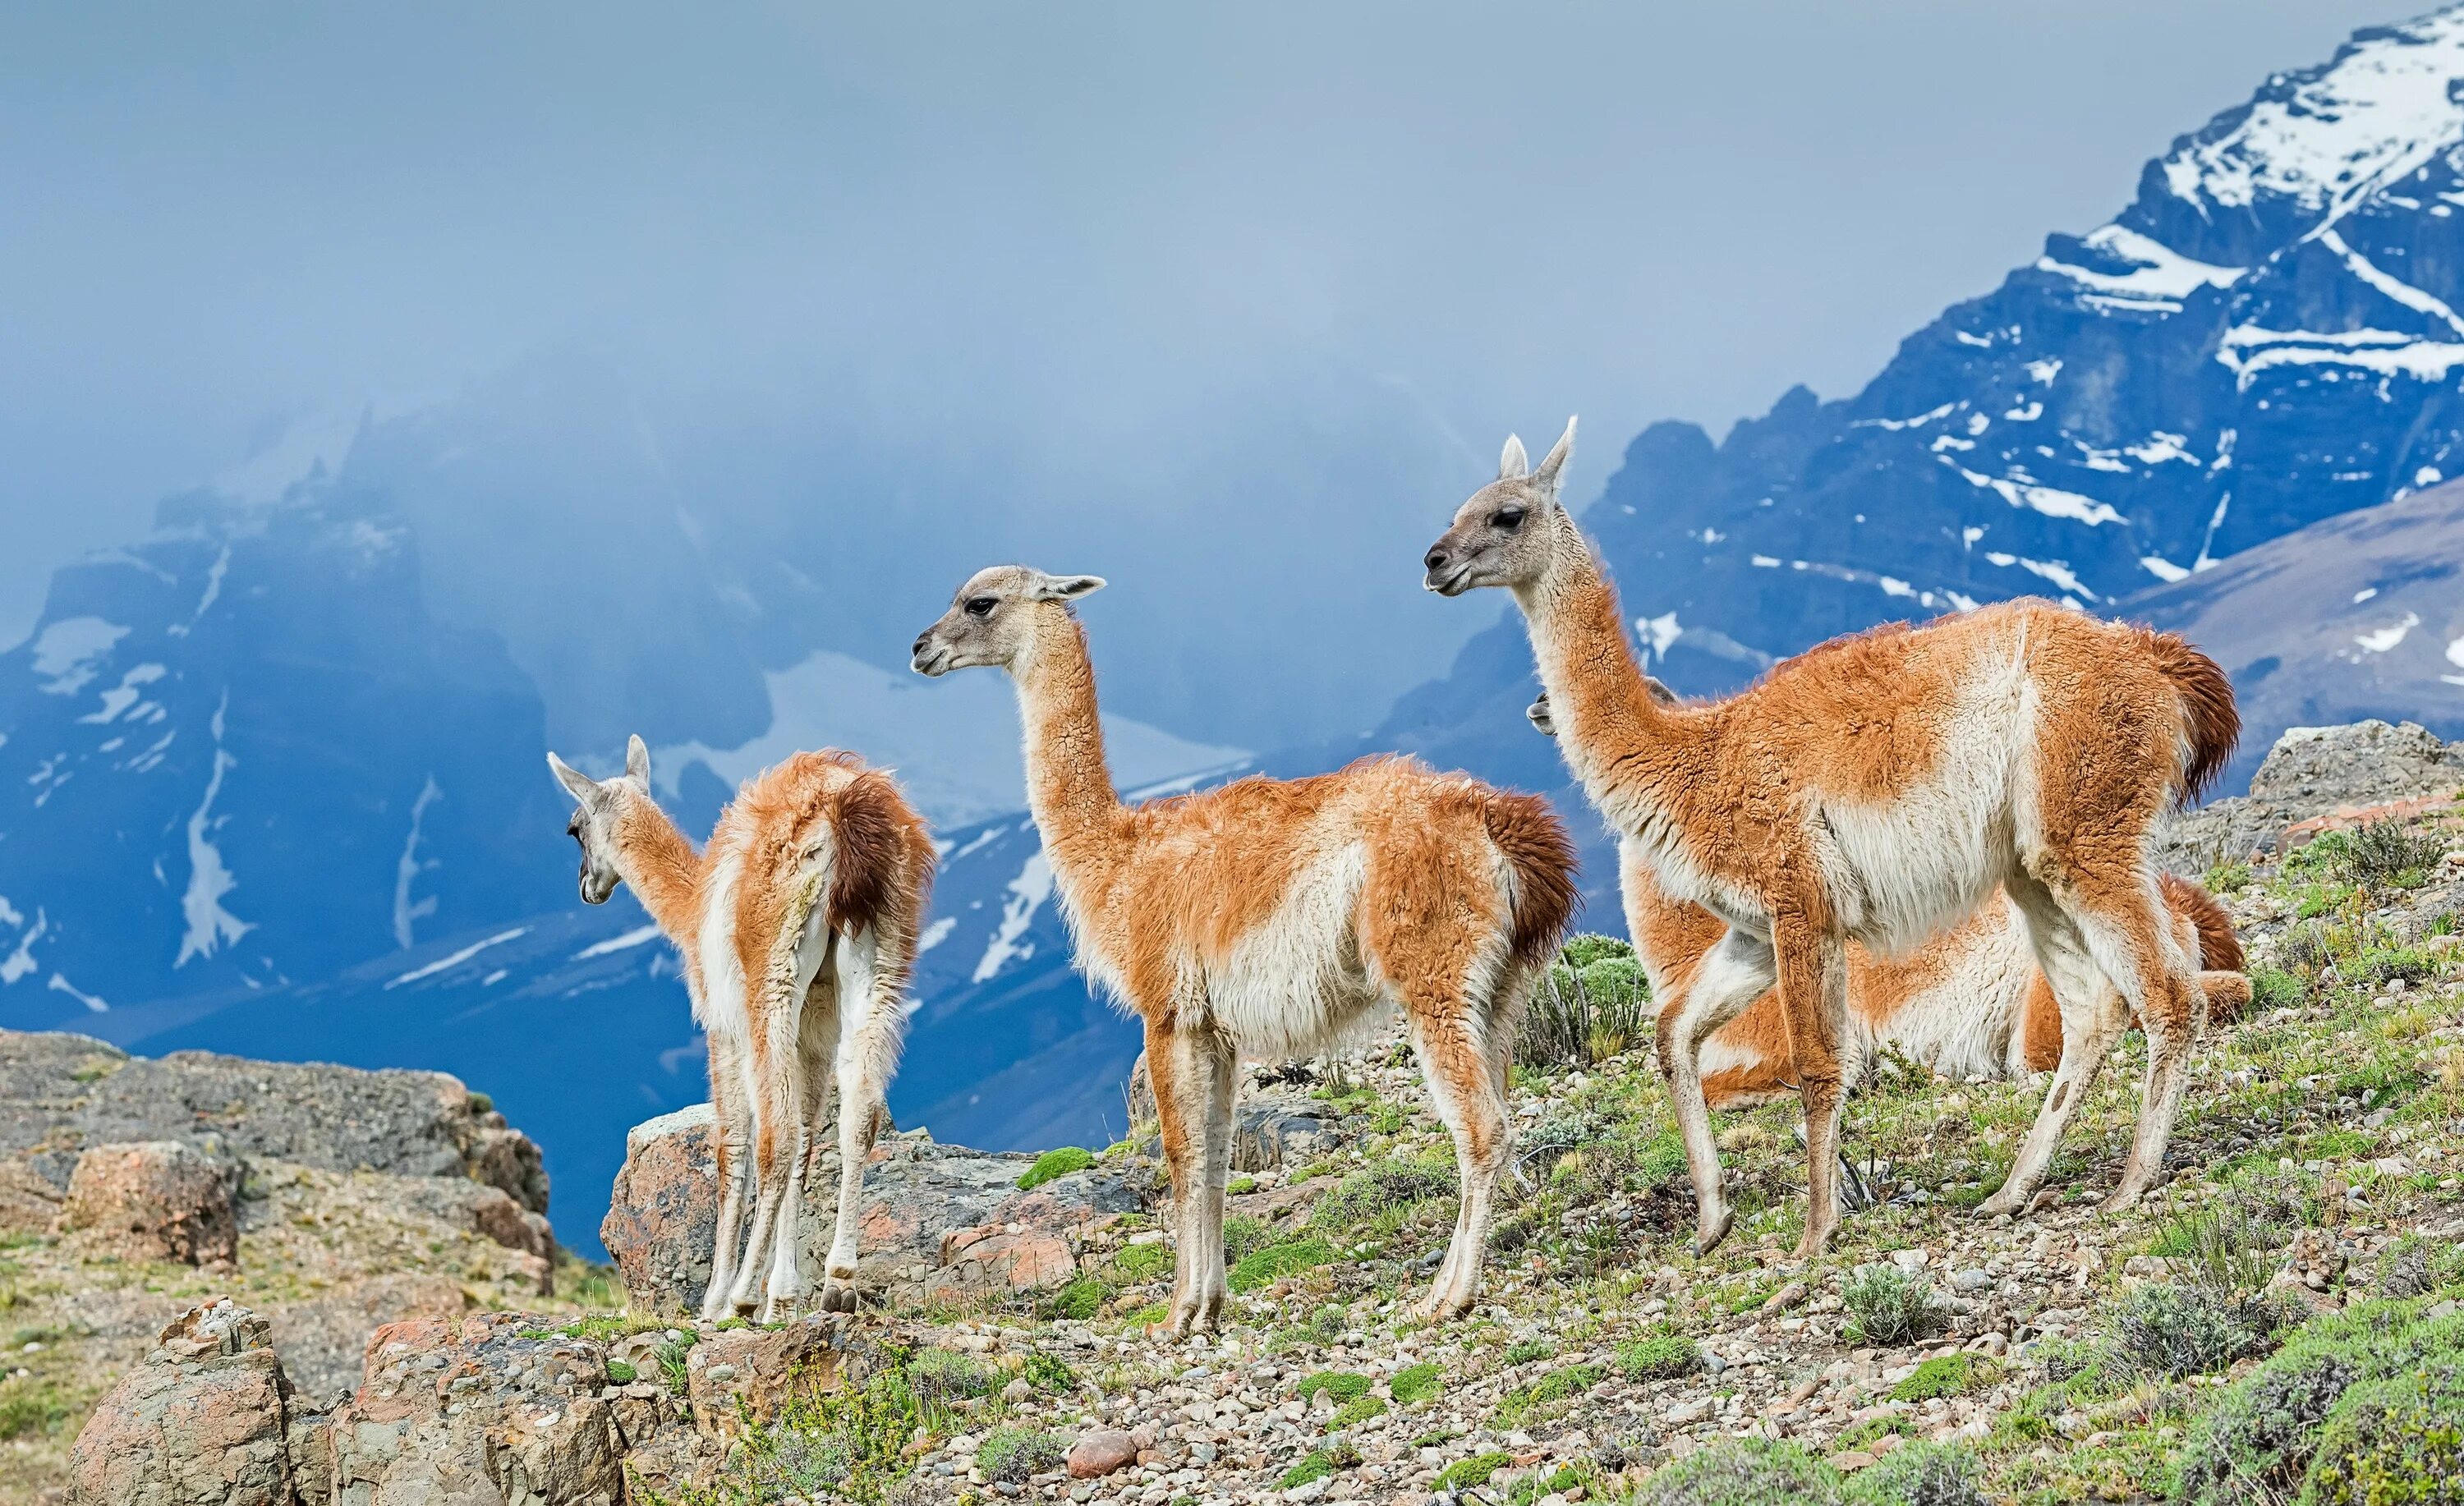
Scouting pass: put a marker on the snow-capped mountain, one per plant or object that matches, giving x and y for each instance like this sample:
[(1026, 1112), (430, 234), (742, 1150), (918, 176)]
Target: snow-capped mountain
[(2266, 336), (241, 754)]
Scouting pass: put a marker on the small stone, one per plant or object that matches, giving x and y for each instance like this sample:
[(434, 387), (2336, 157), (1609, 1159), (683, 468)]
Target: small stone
[(1100, 1452), (1850, 1462)]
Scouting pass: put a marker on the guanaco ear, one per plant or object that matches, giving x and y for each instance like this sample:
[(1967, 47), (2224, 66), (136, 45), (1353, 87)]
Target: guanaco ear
[(1515, 465), (637, 760), (578, 784), (1552, 466), (1066, 588)]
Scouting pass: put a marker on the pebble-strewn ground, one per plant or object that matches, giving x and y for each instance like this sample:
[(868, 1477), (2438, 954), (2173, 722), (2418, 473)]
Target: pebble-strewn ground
[(1603, 1347)]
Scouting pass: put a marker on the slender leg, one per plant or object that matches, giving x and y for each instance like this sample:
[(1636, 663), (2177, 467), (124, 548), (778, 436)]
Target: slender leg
[(817, 1035), (2092, 1018), (1213, 1068), (731, 1106), (1732, 976), (1168, 1070), (2136, 951), (868, 1053), (1462, 1055), (1813, 988)]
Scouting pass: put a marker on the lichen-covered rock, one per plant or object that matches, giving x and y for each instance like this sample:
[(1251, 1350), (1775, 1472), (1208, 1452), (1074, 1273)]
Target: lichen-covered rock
[(747, 1373), (66, 1092), (482, 1409), (29, 1204), (204, 1421), (2316, 778), (935, 1218), (155, 1201)]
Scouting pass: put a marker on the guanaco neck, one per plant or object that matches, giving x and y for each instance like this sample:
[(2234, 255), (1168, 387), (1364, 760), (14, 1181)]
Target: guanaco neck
[(1069, 787), (1615, 737), (659, 861)]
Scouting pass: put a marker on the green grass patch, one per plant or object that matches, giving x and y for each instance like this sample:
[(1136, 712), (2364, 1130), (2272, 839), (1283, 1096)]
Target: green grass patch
[(1417, 1384), (1012, 1455), (1659, 1357), (1465, 1473), (1080, 1300), (1342, 1384), (1356, 1411), (1264, 1267), (1139, 1264), (1549, 1391), (1943, 1375), (1056, 1163)]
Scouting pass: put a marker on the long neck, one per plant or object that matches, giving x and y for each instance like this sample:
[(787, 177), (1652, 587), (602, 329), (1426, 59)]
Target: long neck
[(658, 861), (1608, 725), (1068, 788)]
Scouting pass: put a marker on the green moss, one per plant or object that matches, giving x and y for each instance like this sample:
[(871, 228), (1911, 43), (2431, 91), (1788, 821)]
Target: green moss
[(1058, 1162), (1417, 1384), (1465, 1473), (1943, 1375), (1660, 1356), (1262, 1267), (1748, 1471), (619, 1373), (1241, 1186), (1356, 1411), (1341, 1384), (1316, 1466)]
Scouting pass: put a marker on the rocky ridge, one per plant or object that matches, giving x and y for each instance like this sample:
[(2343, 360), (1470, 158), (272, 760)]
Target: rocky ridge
[(2317, 1176)]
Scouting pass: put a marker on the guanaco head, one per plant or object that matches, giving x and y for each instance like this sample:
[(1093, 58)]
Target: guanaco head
[(1538, 710), (1507, 534), (602, 806), (995, 617)]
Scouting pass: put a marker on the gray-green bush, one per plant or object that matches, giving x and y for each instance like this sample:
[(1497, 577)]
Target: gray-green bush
[(1748, 1471)]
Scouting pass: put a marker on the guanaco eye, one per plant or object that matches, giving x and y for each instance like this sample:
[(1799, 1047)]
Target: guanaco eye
[(1509, 518), (981, 607), (573, 827)]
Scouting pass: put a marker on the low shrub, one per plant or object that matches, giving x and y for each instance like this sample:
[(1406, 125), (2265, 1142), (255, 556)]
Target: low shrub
[(946, 1377), (1557, 1386), (2418, 1266), (2388, 855), (2394, 1442), (2383, 964), (1057, 1163), (1748, 1471), (1659, 1357), (1048, 1372), (1593, 1003), (2273, 988), (1274, 1262), (1417, 1384), (1523, 1351), (1918, 1475), (2257, 1443), (2165, 1331), (1888, 1306), (2227, 878), (1366, 1196), (1013, 1456)]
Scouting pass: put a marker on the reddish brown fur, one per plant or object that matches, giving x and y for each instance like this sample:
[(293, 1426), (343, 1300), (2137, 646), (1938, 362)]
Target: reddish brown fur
[(2208, 701)]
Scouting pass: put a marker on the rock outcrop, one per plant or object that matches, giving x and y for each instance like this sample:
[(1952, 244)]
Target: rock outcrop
[(158, 1200), (205, 1420), (939, 1219), (69, 1092), (2316, 778)]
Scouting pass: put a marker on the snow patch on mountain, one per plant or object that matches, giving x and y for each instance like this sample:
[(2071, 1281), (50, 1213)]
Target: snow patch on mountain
[(2378, 111), (1025, 895), (211, 927)]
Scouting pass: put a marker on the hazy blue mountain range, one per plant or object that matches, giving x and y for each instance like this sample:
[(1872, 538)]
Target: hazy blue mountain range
[(272, 778)]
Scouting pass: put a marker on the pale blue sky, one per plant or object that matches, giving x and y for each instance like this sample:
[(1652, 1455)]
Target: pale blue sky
[(1087, 223)]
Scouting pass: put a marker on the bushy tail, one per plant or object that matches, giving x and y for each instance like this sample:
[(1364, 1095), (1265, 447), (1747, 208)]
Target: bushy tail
[(1534, 840), (879, 841), (2219, 947), (2214, 721)]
